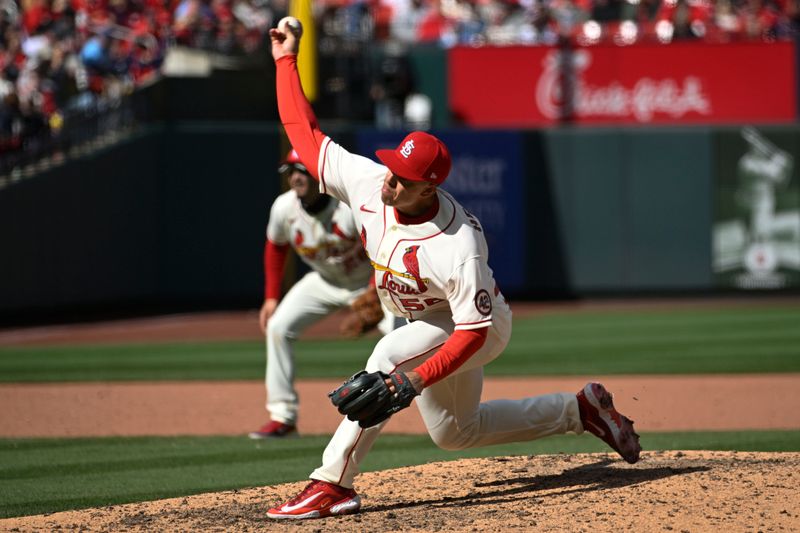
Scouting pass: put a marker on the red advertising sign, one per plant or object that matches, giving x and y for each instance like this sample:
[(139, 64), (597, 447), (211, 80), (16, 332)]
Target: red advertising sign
[(679, 83)]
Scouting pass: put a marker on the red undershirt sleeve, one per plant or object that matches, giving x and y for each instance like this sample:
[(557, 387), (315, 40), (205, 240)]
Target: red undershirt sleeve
[(296, 114), (274, 263), (461, 345)]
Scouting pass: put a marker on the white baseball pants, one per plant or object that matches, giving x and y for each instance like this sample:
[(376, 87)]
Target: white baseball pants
[(308, 301), (451, 409)]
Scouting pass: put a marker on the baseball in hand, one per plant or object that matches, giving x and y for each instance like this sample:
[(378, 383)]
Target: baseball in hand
[(287, 24)]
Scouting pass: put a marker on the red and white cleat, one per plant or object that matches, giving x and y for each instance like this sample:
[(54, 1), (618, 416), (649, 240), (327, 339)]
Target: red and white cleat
[(601, 419), (318, 500), (273, 429)]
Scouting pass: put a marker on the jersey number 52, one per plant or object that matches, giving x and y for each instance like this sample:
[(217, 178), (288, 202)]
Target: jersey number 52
[(418, 304)]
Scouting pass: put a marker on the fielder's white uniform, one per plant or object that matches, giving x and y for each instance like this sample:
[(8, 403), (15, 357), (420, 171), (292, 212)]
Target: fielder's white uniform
[(329, 244), (435, 274)]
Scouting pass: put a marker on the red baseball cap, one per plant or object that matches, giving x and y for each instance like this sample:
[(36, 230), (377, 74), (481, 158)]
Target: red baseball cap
[(292, 161), (419, 157)]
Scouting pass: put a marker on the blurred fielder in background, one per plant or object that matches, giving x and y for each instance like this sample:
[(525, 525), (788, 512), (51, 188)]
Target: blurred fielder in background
[(431, 266), (322, 232)]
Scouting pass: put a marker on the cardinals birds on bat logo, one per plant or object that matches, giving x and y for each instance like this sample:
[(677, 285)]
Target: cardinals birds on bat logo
[(412, 266)]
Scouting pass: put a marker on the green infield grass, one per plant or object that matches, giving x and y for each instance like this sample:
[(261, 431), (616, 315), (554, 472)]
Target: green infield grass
[(677, 341), (47, 475)]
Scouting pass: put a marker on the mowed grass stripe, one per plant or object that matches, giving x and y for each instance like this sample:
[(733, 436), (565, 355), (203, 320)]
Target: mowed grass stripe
[(637, 336), (678, 341), (175, 361), (707, 341), (702, 319)]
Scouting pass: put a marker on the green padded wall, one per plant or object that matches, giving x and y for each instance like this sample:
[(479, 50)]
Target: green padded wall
[(633, 207)]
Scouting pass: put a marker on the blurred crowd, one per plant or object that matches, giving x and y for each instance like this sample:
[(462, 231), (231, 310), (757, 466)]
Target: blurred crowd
[(65, 58), (583, 22), (60, 57)]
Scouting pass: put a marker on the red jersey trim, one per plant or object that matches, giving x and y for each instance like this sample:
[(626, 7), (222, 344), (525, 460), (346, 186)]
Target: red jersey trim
[(349, 455), (449, 223), (336, 230), (428, 215), (383, 231), (488, 320), (326, 143)]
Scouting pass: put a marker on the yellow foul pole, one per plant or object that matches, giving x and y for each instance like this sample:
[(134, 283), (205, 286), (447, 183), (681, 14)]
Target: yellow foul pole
[(307, 58)]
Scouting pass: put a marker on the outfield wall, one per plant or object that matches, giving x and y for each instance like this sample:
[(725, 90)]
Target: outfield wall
[(176, 215)]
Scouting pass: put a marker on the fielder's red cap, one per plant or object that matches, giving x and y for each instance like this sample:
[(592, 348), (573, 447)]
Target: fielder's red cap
[(419, 157), (292, 161)]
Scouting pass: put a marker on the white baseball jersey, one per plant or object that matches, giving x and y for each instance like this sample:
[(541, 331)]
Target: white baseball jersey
[(433, 266), (326, 241)]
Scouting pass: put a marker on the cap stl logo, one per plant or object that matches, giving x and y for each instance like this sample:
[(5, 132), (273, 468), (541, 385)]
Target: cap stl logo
[(405, 151)]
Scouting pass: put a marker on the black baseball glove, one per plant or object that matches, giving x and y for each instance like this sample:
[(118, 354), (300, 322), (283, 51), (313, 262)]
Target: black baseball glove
[(366, 397)]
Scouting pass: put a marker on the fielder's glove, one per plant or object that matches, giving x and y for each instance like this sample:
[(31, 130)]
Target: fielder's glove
[(366, 313), (366, 397)]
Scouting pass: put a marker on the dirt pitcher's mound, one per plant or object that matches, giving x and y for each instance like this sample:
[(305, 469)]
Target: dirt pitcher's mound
[(665, 491)]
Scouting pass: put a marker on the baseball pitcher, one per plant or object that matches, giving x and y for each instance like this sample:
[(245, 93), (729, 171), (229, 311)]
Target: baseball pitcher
[(430, 260)]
